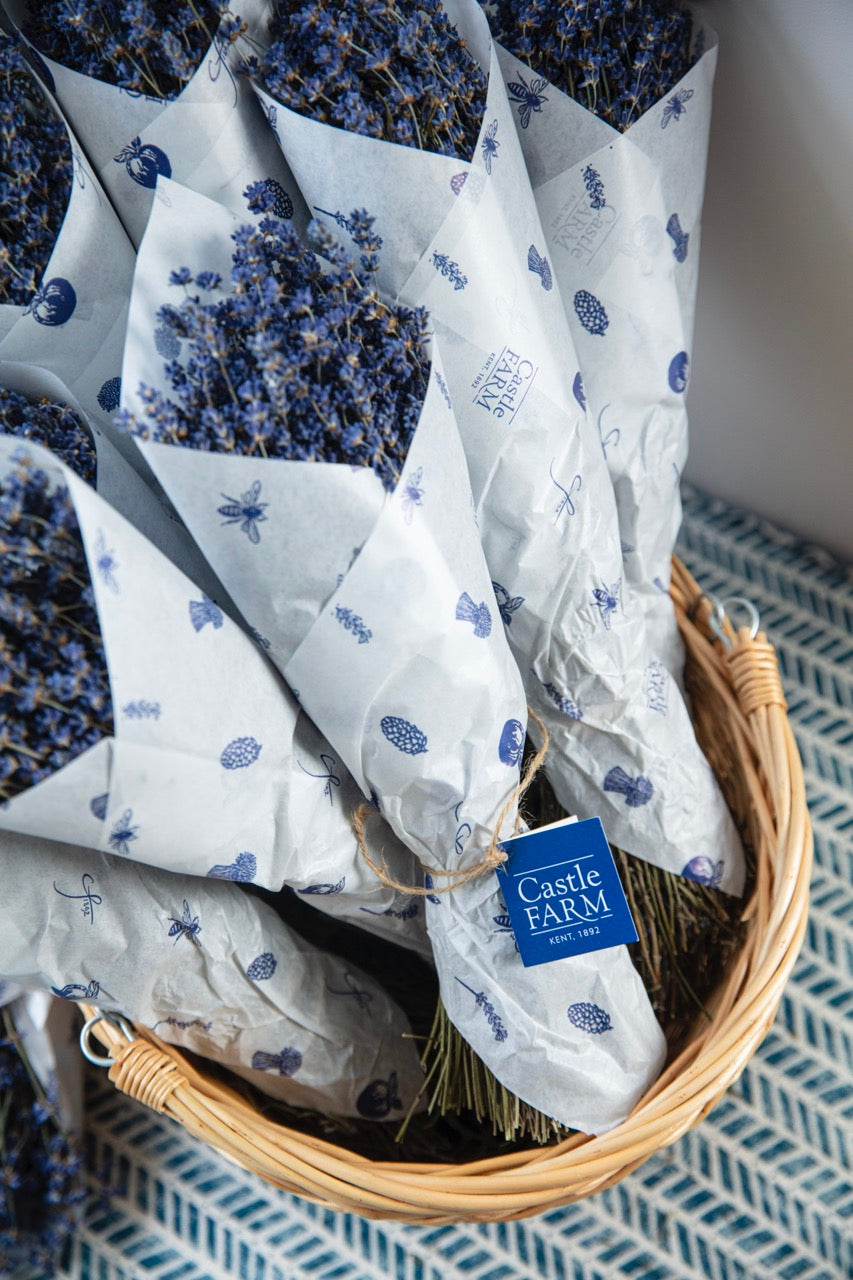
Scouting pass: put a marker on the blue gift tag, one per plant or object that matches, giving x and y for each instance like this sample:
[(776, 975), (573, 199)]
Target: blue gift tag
[(563, 892)]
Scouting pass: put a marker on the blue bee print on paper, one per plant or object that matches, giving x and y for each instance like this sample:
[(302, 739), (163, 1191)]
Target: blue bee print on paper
[(704, 871), (578, 391), (490, 145), (594, 187), (457, 182), (565, 503), (680, 238), (330, 778), (379, 1098), (352, 622), (589, 1017), (412, 494), (109, 396), (527, 97), (240, 753), (562, 702), (404, 735), (204, 612), (511, 742), (144, 162), (395, 913), (613, 436), (166, 343), (286, 1063), (325, 889), (98, 805), (606, 600), (123, 833), (262, 967), (677, 373), (243, 869), (540, 267), (76, 991), (187, 927), (676, 107), (362, 998), (248, 512), (491, 1015), (637, 791), (182, 1024), (449, 269), (429, 883), (591, 313), (53, 302), (282, 203), (142, 710), (477, 614), (89, 899), (106, 563), (507, 604)]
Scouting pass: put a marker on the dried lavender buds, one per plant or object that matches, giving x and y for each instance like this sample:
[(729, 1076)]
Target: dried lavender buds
[(53, 425)]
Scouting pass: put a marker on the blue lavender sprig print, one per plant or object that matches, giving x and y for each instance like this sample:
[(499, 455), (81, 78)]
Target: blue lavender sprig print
[(507, 604), (565, 504), (451, 270), (240, 753), (676, 107), (286, 1063), (478, 615), (529, 98), (88, 897), (187, 926), (404, 735), (362, 998), (511, 743), (704, 870), (490, 146), (77, 991), (142, 709), (243, 869), (594, 187), (680, 239), (248, 512), (591, 313), (352, 224), (262, 968), (353, 622), (606, 600), (204, 612), (539, 265), (182, 1024), (589, 1017), (491, 1015), (562, 702), (379, 1098), (325, 888), (637, 791), (123, 833), (330, 778)]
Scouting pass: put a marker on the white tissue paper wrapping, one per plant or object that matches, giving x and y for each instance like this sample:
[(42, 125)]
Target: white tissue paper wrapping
[(621, 217), (465, 240), (208, 968), (213, 137), (213, 769), (48, 1031)]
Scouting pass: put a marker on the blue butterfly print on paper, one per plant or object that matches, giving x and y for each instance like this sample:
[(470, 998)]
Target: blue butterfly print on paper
[(477, 614), (353, 622), (637, 791), (325, 889), (606, 599), (362, 998), (613, 436), (677, 372), (98, 805), (457, 182), (491, 1015), (89, 899), (53, 302), (594, 187), (540, 267), (578, 391), (144, 162), (511, 742), (562, 702), (243, 869), (330, 778), (565, 503), (507, 604), (591, 313), (248, 512), (109, 396), (262, 967), (76, 991), (378, 1098), (240, 753), (404, 735), (676, 108), (704, 871), (282, 203), (106, 563), (490, 145), (589, 1017), (204, 612), (451, 270), (166, 343), (187, 927), (429, 883), (680, 238), (123, 833), (412, 494), (527, 97), (286, 1063)]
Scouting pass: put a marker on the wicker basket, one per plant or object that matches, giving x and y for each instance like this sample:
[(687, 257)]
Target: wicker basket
[(739, 711)]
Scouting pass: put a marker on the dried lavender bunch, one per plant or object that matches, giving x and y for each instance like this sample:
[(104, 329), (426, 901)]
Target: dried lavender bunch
[(35, 177), (54, 425), (152, 47), (399, 72), (303, 360), (615, 57), (55, 698)]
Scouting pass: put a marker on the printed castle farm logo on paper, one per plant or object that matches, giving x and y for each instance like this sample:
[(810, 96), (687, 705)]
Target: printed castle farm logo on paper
[(581, 229), (557, 905), (503, 383)]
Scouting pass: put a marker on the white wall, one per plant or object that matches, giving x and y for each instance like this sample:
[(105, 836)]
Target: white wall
[(771, 394)]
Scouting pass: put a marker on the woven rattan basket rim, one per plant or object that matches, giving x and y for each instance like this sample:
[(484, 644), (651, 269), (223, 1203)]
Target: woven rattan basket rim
[(745, 689)]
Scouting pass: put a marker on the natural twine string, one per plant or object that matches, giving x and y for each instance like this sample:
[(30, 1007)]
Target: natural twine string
[(494, 856)]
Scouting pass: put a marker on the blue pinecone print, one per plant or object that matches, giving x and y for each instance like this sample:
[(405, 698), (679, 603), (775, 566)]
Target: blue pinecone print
[(166, 343), (704, 871), (680, 239), (109, 396), (53, 303), (98, 805), (637, 791), (589, 1017), (590, 312), (262, 967), (677, 373), (403, 735), (578, 391), (240, 753), (477, 614), (457, 182), (244, 868), (144, 162), (378, 1098), (282, 203), (286, 1063), (512, 742)]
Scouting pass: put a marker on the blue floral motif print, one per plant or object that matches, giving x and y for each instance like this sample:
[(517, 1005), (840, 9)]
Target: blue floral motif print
[(680, 239), (98, 805), (378, 1098), (248, 512), (204, 611), (352, 622), (449, 269), (412, 493), (477, 614), (76, 991), (491, 1015), (676, 108), (457, 182), (562, 703), (186, 927), (282, 203), (144, 162), (243, 869), (53, 302), (578, 391), (591, 313), (362, 998), (395, 913), (589, 1017), (511, 742), (527, 97), (123, 833), (606, 600), (704, 871), (286, 1063), (678, 371), (262, 967), (507, 604), (142, 710), (109, 396), (325, 889), (490, 145), (637, 791), (594, 187), (105, 563), (330, 778), (166, 343), (89, 899), (404, 735), (540, 267), (565, 503), (240, 753)]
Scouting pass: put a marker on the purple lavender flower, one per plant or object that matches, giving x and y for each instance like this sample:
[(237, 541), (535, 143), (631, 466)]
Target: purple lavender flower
[(53, 425)]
